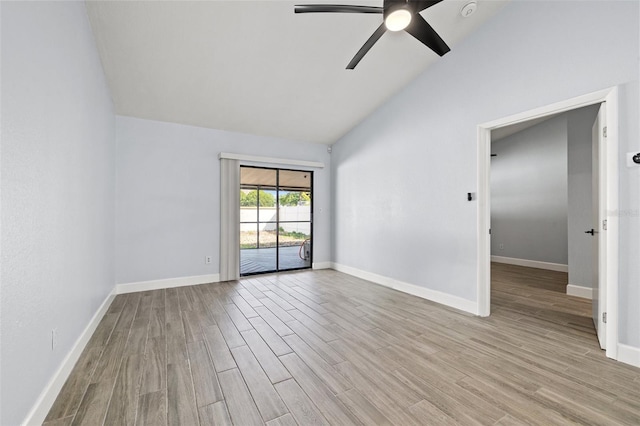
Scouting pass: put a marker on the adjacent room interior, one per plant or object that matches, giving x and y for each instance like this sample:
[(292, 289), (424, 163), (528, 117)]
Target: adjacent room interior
[(284, 213), (541, 215)]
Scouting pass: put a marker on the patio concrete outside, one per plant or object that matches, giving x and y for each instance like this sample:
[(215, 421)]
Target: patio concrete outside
[(264, 260)]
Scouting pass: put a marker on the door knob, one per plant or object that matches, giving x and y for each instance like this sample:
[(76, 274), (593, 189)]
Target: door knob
[(592, 232)]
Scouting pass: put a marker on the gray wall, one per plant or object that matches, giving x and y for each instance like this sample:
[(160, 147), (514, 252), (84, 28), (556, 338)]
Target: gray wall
[(579, 123), (417, 154), (168, 196), (57, 183), (529, 193)]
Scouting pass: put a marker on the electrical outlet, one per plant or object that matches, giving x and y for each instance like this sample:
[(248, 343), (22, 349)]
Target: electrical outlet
[(501, 246), (54, 338), (207, 260)]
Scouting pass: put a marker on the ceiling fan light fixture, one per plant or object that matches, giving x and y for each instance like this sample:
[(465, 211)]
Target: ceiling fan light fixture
[(398, 20), (397, 15)]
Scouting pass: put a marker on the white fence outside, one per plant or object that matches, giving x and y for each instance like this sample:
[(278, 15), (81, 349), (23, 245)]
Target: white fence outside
[(267, 214)]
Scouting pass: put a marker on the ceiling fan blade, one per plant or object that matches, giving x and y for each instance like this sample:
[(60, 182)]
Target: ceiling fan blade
[(420, 5), (335, 8), (366, 46), (420, 29)]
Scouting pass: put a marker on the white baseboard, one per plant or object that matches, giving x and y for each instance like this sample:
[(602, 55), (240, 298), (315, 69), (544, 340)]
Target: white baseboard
[(629, 354), (166, 283), (321, 265), (48, 396), (531, 263), (415, 290), (579, 291)]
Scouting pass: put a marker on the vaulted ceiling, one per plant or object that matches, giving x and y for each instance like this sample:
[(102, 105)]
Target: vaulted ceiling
[(256, 67)]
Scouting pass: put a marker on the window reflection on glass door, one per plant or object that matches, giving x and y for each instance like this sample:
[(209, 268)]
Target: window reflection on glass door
[(275, 220)]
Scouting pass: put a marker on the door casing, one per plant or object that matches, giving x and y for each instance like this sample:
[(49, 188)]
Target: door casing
[(608, 170), (598, 219)]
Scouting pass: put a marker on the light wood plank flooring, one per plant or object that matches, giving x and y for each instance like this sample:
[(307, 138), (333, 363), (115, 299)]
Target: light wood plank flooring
[(321, 347)]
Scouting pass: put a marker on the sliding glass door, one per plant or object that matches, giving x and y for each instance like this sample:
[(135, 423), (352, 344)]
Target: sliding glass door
[(276, 208)]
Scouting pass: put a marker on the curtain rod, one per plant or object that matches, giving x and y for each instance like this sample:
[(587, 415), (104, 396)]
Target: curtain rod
[(259, 159)]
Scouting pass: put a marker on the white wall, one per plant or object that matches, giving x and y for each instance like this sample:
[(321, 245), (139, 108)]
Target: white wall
[(417, 154), (58, 148), (168, 196), (579, 123), (529, 193)]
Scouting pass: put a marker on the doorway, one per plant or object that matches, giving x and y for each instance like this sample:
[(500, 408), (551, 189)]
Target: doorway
[(276, 220), (608, 172)]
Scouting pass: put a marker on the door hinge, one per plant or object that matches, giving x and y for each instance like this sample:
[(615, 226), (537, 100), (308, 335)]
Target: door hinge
[(604, 131), (604, 225), (604, 317), (489, 231)]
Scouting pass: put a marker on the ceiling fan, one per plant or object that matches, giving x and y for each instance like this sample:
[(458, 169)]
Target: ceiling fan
[(398, 15)]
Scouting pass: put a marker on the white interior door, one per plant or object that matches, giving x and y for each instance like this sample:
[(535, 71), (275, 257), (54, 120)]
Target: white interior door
[(598, 187)]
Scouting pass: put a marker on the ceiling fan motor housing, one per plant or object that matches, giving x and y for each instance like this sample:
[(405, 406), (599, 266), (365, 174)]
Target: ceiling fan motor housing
[(392, 6)]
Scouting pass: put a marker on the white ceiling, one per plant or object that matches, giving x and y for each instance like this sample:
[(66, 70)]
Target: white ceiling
[(256, 67)]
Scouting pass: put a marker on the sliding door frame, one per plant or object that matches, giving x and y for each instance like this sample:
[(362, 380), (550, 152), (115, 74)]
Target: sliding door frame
[(277, 189)]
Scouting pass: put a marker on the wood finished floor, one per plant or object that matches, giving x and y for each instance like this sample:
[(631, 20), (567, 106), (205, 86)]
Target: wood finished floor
[(321, 347)]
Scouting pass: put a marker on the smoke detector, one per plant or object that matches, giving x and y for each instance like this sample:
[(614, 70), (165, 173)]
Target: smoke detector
[(468, 9)]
